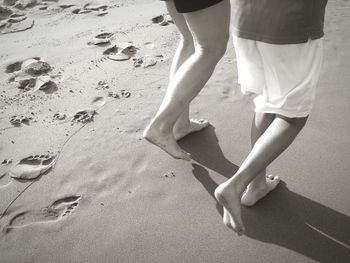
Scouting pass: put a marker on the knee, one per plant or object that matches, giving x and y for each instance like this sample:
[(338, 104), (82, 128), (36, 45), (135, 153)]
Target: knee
[(213, 49), (186, 42)]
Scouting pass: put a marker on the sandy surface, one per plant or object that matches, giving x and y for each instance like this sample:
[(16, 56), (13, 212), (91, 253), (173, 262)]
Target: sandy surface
[(112, 197)]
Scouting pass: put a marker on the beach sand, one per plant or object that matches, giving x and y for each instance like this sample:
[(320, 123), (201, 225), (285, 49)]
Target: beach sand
[(107, 195)]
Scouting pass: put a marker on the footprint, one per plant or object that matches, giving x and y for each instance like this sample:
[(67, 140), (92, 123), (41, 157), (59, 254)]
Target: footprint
[(147, 61), (17, 66), (59, 116), (111, 50), (37, 68), (17, 120), (13, 67), (98, 102), (84, 116), (120, 52), (149, 45), (163, 20), (54, 212), (32, 167), (102, 84), (46, 84), (30, 74), (101, 39)]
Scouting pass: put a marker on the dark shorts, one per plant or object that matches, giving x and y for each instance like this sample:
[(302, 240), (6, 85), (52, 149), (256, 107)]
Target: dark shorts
[(187, 6)]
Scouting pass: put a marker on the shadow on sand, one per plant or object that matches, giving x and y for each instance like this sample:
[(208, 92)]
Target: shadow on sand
[(284, 218)]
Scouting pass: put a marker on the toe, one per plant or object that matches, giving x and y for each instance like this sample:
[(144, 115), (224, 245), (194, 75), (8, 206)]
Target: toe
[(270, 176)]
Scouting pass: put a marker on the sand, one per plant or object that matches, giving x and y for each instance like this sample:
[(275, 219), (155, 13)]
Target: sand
[(110, 196)]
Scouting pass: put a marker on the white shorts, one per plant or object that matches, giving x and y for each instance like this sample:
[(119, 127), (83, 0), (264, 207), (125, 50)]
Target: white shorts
[(284, 77)]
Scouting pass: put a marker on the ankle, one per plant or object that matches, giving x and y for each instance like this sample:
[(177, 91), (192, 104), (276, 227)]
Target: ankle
[(180, 126), (160, 127), (236, 185)]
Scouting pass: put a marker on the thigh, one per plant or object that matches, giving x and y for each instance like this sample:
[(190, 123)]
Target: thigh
[(179, 20), (291, 73), (249, 66), (210, 26), (291, 69)]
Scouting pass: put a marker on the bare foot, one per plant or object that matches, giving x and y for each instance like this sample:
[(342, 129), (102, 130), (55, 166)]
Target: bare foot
[(193, 126), (253, 195), (226, 218), (229, 198), (166, 142)]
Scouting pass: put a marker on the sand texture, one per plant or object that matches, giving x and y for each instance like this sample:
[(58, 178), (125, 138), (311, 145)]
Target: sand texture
[(80, 80)]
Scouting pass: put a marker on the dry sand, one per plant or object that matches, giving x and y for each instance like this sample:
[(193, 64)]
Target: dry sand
[(112, 197)]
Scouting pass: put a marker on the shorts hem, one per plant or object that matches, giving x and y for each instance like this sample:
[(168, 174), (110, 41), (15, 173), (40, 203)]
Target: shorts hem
[(277, 40), (285, 113), (190, 7)]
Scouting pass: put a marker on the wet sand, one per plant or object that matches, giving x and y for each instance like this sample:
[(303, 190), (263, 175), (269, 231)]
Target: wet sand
[(100, 193)]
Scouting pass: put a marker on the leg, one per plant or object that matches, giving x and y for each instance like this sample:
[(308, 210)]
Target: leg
[(210, 28), (183, 125), (277, 137), (262, 184), (186, 45)]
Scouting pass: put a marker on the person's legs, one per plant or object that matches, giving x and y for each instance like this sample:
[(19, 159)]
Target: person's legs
[(183, 125), (210, 29), (277, 137), (262, 184)]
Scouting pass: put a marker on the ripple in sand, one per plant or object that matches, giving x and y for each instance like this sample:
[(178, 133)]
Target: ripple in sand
[(10, 2), (17, 26), (100, 9), (16, 19), (79, 11), (32, 167), (5, 12), (84, 116), (58, 210), (95, 6), (23, 4), (65, 6)]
